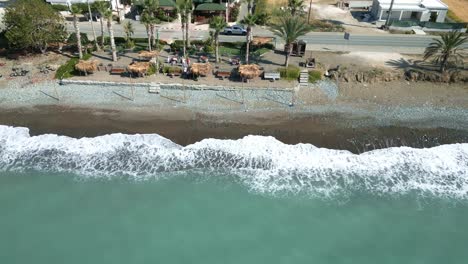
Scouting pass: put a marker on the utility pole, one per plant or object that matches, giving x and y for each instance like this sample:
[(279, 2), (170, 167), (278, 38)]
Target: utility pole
[(117, 9), (227, 11), (389, 14), (310, 9)]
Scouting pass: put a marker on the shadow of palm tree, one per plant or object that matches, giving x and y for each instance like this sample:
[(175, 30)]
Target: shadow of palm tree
[(405, 64), (102, 57)]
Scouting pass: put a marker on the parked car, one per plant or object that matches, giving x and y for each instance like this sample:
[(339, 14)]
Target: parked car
[(235, 30)]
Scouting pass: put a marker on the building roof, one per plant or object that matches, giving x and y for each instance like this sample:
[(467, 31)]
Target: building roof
[(210, 7), (415, 5), (167, 3)]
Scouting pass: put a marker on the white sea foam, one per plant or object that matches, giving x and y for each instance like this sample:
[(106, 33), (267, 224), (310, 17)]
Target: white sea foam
[(262, 163)]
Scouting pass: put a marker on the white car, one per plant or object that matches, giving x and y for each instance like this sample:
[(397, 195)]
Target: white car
[(235, 30)]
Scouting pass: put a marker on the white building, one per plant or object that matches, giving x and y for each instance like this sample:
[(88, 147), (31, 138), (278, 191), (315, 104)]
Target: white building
[(417, 10), (357, 4), (114, 3)]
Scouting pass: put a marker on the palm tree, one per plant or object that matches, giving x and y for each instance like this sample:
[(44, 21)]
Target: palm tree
[(108, 16), (189, 11), (129, 31), (92, 25), (290, 28), (217, 24), (101, 7), (146, 20), (249, 21), (446, 50), (75, 11), (295, 6), (149, 15), (184, 8)]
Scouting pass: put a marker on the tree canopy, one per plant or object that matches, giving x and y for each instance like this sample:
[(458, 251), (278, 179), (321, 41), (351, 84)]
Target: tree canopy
[(446, 51), (290, 28), (33, 24)]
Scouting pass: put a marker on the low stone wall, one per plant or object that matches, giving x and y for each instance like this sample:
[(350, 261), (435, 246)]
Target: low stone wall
[(103, 83), (167, 86)]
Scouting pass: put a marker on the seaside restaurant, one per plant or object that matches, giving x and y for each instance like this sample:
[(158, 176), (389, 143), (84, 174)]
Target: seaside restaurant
[(204, 11)]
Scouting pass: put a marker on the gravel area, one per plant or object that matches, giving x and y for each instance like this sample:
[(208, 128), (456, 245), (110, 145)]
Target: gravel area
[(322, 98)]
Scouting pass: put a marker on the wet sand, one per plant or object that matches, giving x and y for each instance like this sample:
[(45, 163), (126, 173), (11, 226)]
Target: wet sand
[(186, 127)]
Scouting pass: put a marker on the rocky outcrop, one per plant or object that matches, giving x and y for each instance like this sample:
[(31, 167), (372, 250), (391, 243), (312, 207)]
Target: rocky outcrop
[(380, 75), (447, 77), (371, 76)]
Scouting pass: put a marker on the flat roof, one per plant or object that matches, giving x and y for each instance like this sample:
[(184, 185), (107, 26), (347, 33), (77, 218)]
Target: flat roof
[(436, 4), (418, 5)]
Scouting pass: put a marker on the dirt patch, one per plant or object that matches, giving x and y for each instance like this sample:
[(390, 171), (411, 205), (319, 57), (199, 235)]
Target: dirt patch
[(459, 8), (343, 17), (374, 59)]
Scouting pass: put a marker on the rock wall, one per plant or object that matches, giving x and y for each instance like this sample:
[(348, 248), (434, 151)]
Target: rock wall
[(371, 76), (379, 75), (447, 77)]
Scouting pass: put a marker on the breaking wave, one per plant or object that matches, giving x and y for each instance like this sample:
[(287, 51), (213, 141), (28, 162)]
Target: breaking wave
[(264, 164)]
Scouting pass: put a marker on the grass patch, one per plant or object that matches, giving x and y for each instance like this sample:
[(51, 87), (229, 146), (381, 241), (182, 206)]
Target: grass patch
[(261, 51), (67, 70), (314, 76), (290, 73), (238, 49), (229, 51)]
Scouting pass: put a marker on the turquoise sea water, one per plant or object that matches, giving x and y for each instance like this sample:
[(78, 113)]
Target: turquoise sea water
[(144, 199), (197, 218)]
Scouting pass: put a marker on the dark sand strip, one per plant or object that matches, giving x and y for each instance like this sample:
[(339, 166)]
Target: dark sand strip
[(185, 127)]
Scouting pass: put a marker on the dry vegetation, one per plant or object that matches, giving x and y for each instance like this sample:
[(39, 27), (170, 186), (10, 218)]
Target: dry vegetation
[(459, 8)]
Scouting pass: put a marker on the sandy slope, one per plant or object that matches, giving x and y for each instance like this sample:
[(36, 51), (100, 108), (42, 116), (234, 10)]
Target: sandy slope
[(459, 7)]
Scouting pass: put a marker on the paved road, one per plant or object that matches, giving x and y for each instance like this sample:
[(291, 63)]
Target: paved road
[(316, 40)]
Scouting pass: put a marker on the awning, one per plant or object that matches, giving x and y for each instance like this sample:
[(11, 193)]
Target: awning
[(166, 3), (210, 7)]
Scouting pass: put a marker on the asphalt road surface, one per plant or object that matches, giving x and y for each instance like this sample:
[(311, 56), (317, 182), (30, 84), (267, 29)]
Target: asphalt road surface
[(316, 39)]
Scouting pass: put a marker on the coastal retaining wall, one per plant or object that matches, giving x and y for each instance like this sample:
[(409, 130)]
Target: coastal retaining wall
[(168, 86)]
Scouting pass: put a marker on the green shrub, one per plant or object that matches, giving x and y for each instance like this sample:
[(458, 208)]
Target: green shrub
[(67, 70), (234, 12), (87, 56), (60, 8), (208, 49), (177, 45), (72, 39), (290, 73), (130, 44), (326, 26), (151, 69), (314, 76), (197, 42), (3, 40), (171, 69), (262, 18)]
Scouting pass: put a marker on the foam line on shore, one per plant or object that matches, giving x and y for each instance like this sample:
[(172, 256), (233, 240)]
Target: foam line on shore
[(264, 164)]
